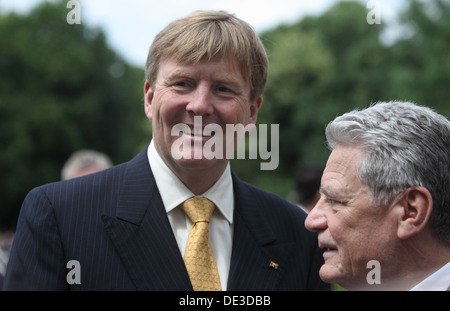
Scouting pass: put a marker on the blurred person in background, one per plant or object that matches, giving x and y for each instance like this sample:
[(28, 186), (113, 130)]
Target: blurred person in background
[(83, 162), (307, 183), (80, 163), (385, 199), (6, 240)]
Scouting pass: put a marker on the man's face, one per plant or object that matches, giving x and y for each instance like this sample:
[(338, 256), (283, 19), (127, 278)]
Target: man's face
[(214, 90), (350, 228)]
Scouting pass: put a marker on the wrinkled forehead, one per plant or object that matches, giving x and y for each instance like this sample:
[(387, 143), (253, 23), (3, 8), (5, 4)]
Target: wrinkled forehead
[(342, 165), (230, 63), (187, 59)]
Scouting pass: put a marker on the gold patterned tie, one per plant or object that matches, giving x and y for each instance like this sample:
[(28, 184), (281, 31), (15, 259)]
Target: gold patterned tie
[(198, 257)]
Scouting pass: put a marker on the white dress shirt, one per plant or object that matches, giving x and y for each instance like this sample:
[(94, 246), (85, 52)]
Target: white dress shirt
[(174, 192), (438, 281)]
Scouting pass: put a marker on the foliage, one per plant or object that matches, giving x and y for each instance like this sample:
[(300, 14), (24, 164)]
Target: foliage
[(61, 89), (324, 66)]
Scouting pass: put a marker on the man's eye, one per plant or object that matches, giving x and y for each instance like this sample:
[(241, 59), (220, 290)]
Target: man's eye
[(334, 201), (181, 84), (223, 89)]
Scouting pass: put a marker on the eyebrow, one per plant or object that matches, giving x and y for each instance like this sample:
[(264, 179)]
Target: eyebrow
[(328, 192), (225, 79), (178, 74)]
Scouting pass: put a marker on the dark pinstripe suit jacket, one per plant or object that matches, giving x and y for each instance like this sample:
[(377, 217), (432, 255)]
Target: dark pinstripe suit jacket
[(115, 225)]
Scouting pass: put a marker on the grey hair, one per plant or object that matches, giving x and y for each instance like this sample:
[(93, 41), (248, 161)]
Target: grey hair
[(84, 159), (405, 145)]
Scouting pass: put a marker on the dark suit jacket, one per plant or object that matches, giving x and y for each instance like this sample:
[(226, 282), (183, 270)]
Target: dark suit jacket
[(115, 225)]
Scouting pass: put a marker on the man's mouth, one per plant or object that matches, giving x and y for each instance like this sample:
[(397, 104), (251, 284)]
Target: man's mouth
[(329, 253), (193, 131), (327, 247)]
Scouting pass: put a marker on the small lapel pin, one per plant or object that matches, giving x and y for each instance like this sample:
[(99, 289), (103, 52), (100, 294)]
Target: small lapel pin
[(273, 265)]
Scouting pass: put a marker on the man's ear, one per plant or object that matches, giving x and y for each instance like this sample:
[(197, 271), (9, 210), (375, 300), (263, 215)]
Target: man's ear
[(254, 108), (415, 206), (148, 98)]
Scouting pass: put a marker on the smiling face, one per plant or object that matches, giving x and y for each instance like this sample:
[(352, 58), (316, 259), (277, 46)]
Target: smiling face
[(351, 229), (214, 90)]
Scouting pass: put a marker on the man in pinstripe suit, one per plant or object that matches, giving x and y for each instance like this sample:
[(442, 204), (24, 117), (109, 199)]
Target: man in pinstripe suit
[(122, 228)]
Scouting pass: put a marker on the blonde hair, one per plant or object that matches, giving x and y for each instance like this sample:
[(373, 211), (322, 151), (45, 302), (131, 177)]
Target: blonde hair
[(208, 35)]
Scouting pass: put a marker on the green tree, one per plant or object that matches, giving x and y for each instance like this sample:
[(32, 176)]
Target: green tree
[(323, 66), (319, 67), (420, 62), (61, 89)]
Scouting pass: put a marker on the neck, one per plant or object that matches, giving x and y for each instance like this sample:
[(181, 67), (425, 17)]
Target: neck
[(199, 181), (421, 257), (198, 175), (412, 261), (198, 178)]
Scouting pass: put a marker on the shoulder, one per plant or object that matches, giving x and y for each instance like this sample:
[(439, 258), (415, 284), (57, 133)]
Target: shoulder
[(90, 181), (98, 191), (69, 192)]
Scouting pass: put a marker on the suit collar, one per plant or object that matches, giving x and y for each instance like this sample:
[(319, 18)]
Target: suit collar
[(248, 207), (137, 191), (141, 232), (258, 260)]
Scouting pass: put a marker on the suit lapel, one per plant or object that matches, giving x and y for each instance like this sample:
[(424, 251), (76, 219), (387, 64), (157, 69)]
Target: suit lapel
[(143, 238), (142, 235), (258, 261)]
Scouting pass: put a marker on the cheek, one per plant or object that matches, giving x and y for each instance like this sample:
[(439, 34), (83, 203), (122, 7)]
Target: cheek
[(165, 108), (236, 111), (354, 243), (361, 241)]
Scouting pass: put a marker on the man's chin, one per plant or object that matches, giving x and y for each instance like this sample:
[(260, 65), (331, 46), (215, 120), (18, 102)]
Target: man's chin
[(190, 162), (328, 274), (333, 275)]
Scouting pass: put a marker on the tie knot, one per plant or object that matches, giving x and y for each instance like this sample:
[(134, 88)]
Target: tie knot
[(198, 209)]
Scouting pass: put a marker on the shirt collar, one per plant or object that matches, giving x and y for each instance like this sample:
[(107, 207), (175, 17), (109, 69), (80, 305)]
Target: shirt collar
[(174, 192), (438, 281)]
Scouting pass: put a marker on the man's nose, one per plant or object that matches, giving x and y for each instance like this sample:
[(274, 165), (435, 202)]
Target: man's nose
[(316, 220), (201, 101)]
